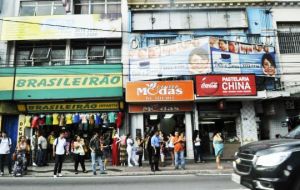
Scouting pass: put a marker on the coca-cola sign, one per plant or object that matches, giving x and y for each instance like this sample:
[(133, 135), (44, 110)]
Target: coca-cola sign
[(225, 85)]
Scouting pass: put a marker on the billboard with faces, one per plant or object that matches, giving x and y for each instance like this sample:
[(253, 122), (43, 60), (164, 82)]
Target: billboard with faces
[(231, 57), (202, 56)]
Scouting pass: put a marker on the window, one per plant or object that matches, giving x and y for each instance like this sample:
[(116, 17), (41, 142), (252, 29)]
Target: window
[(289, 37), (180, 20), (93, 52), (160, 40), (41, 8), (107, 8), (40, 54)]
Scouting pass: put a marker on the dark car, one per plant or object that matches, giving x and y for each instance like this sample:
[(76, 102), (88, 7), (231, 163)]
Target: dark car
[(270, 164)]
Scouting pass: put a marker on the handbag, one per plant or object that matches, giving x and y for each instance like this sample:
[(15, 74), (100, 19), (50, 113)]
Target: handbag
[(139, 150), (14, 156)]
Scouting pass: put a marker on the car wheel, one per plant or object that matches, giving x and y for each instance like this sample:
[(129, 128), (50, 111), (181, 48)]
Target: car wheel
[(296, 185)]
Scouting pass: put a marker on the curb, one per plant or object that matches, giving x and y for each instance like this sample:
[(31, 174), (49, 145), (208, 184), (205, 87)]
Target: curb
[(142, 173)]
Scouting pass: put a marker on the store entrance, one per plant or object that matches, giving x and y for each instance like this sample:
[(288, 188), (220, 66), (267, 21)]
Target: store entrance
[(221, 122), (167, 123)]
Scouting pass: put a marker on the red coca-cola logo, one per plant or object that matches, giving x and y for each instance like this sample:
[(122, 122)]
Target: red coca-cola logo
[(209, 86)]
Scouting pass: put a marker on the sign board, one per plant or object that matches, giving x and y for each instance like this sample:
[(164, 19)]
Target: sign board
[(225, 85), (62, 82), (60, 27), (153, 108), (160, 91)]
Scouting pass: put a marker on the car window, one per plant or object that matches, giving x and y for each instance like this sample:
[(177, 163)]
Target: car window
[(295, 133)]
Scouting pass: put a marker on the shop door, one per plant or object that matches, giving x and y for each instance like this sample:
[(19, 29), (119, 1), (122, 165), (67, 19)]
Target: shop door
[(10, 125)]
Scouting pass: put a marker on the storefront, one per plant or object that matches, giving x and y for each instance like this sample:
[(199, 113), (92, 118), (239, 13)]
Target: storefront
[(78, 99), (161, 105), (225, 103)]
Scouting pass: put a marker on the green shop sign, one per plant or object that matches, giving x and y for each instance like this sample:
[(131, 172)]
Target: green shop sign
[(61, 82)]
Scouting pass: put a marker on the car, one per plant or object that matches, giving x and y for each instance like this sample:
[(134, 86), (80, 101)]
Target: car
[(269, 164)]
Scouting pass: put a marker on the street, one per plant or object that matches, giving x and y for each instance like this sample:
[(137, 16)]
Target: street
[(190, 182)]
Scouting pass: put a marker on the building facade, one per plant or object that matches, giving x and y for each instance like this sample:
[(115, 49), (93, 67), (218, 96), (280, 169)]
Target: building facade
[(63, 67), (236, 69)]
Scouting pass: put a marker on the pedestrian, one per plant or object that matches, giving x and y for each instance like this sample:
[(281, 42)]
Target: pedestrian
[(198, 150), (59, 151), (123, 150), (140, 150), (171, 148), (23, 149), (51, 139), (96, 153), (150, 150), (130, 151), (178, 142), (5, 145), (155, 144), (34, 148), (79, 153), (42, 151), (218, 145)]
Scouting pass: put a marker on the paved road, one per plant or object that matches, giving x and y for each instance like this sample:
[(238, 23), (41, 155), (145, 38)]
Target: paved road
[(183, 182)]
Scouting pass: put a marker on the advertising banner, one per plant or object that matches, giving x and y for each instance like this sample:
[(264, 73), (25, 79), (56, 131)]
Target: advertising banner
[(207, 55), (60, 27), (225, 85), (182, 58), (231, 57), (160, 91), (62, 82)]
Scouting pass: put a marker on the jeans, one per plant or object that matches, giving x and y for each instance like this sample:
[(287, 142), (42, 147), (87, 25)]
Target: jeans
[(97, 158), (41, 157), (58, 163), (3, 158), (179, 159)]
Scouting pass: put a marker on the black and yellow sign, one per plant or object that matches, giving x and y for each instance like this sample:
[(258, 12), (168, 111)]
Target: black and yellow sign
[(73, 107)]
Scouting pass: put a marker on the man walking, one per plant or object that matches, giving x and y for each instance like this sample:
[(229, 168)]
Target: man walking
[(96, 153), (179, 151), (5, 144), (59, 150), (155, 143), (42, 151)]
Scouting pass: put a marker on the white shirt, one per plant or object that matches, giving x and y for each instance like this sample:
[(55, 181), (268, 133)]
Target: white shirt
[(4, 146), (129, 143), (197, 141), (43, 142), (60, 145)]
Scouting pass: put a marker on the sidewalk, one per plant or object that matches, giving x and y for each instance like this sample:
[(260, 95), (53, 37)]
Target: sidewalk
[(191, 168)]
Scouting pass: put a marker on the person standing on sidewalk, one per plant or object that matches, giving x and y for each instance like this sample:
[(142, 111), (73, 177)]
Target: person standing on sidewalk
[(34, 148), (42, 151), (96, 153), (79, 153), (218, 145), (140, 150), (130, 153), (5, 145), (198, 152), (171, 148), (155, 143), (59, 151), (179, 150), (51, 139)]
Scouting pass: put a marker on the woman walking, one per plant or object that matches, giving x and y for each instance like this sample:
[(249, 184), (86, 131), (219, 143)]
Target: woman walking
[(140, 150), (79, 153), (218, 145)]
